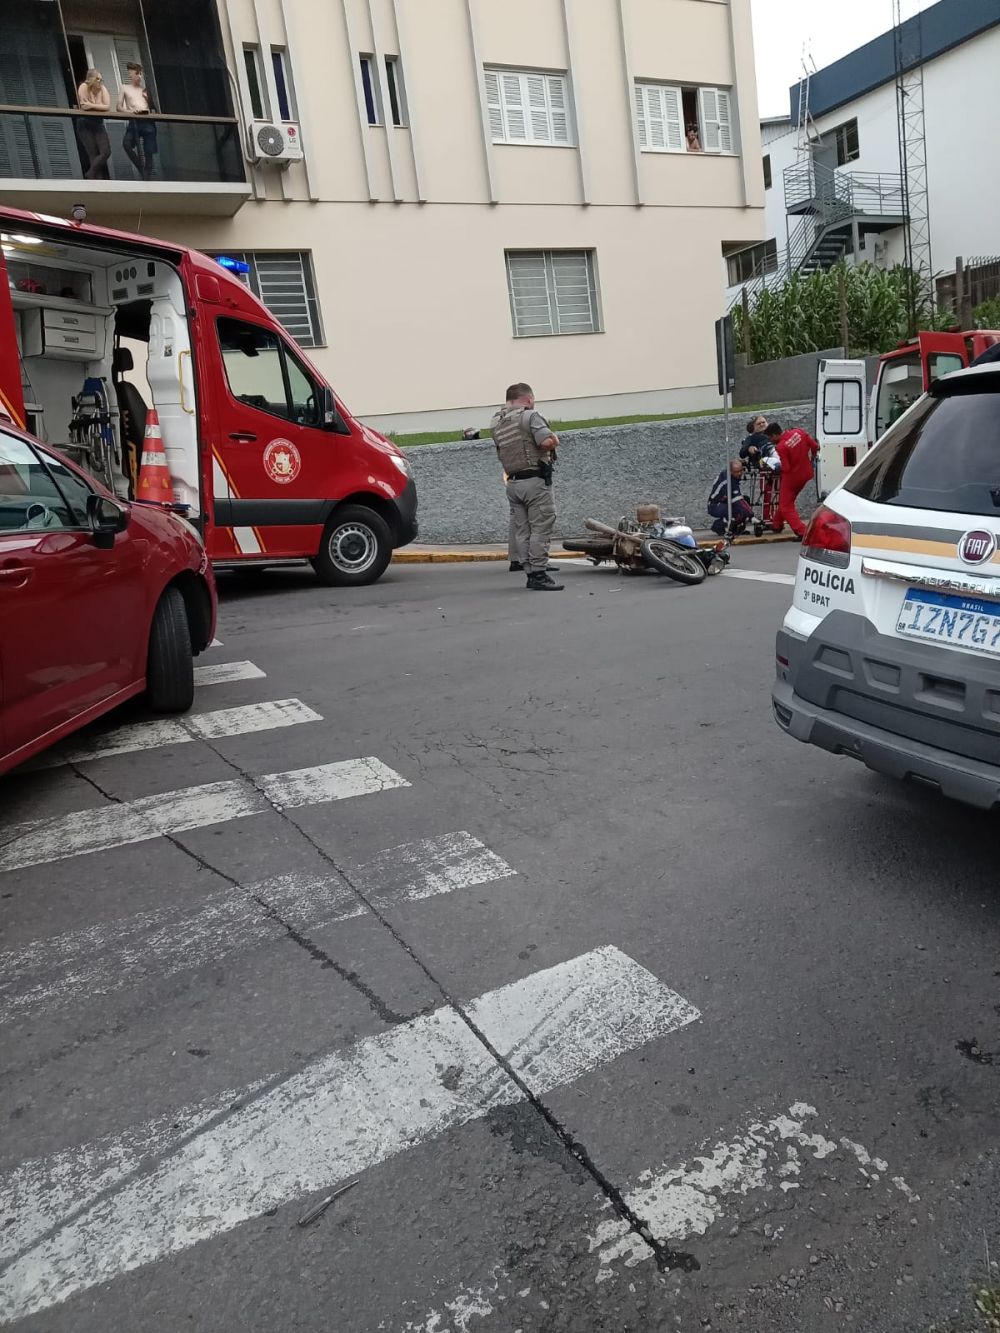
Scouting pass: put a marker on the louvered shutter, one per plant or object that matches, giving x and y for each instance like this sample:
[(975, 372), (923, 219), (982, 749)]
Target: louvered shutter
[(716, 120), (495, 106), (725, 121), (673, 119), (529, 294), (559, 108), (571, 291), (514, 108), (283, 290), (640, 114), (655, 117), (538, 108)]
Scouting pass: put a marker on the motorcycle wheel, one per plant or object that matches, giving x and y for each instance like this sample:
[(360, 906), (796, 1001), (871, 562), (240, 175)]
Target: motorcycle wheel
[(670, 559)]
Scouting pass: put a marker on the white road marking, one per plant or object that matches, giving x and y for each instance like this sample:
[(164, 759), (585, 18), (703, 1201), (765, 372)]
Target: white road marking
[(216, 643), (221, 673), (681, 1201), (676, 1203), (759, 576), (330, 1121), (102, 960), (109, 826), (152, 735)]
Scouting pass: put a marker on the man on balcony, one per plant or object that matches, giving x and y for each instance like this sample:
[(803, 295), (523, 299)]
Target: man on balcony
[(139, 141)]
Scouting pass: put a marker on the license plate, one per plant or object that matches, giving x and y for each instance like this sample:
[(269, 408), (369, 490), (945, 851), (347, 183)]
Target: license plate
[(960, 622)]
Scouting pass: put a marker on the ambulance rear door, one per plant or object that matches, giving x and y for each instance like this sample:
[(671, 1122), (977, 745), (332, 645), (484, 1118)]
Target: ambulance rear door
[(841, 428)]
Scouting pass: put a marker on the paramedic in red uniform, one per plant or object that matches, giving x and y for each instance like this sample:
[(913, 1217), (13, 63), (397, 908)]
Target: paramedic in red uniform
[(797, 451)]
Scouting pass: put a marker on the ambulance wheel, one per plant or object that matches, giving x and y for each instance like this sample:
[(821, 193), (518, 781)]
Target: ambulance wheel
[(356, 547), (170, 662)]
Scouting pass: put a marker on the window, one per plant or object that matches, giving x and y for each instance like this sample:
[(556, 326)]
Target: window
[(369, 84), (767, 171), (750, 263), (265, 373), (848, 147), (552, 291), (944, 456), (666, 112), (30, 498), (283, 280), (942, 363), (397, 101), (282, 84), (528, 108), (842, 414), (255, 82)]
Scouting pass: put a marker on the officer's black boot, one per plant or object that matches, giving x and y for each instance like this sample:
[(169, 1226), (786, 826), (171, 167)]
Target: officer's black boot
[(543, 582)]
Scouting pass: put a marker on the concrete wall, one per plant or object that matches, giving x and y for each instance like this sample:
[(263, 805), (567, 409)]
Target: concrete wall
[(407, 226), (600, 474), (791, 380)]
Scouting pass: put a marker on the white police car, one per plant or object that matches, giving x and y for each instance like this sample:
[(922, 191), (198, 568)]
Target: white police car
[(890, 652)]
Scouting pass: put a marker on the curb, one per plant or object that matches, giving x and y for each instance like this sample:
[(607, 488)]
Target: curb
[(452, 556)]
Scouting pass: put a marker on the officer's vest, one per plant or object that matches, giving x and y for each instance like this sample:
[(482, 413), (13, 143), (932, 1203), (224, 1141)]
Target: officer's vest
[(516, 447)]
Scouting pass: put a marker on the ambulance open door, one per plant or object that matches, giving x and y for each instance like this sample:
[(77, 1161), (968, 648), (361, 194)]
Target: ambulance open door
[(841, 427)]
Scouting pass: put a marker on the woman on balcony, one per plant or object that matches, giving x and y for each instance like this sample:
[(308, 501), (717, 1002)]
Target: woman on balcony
[(93, 98)]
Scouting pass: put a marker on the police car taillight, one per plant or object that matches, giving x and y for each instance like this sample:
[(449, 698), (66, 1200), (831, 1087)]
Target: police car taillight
[(828, 538)]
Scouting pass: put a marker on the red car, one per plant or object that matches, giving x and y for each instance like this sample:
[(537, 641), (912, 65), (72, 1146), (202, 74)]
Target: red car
[(99, 600)]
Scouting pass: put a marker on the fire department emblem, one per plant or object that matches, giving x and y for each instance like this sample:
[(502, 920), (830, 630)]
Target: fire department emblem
[(282, 462)]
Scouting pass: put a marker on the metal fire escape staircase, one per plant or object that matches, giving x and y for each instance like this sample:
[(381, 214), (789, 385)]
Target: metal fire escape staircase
[(836, 212)]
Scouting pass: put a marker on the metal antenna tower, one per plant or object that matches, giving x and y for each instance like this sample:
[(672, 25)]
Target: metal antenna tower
[(909, 50)]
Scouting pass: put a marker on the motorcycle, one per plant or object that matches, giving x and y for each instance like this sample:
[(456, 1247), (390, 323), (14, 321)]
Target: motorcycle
[(650, 542)]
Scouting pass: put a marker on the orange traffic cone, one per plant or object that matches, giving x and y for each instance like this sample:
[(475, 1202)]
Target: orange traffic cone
[(154, 476)]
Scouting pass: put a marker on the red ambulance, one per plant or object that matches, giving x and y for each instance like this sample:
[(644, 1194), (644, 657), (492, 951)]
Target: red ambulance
[(100, 329)]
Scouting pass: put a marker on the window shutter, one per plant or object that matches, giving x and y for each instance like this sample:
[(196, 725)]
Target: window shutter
[(673, 119), (283, 288), (529, 294), (494, 105), (559, 108), (716, 120), (538, 108), (571, 289), (514, 108), (640, 114), (725, 121), (655, 117)]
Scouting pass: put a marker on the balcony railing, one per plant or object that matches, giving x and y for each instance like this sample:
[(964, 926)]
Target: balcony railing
[(811, 187), (46, 144)]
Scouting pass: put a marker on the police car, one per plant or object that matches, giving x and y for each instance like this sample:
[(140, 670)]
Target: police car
[(890, 652)]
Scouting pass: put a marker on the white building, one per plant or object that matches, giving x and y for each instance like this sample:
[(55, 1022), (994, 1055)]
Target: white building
[(853, 155), (465, 193)]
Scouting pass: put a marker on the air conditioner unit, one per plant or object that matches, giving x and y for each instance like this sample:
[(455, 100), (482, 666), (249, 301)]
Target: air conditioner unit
[(274, 142)]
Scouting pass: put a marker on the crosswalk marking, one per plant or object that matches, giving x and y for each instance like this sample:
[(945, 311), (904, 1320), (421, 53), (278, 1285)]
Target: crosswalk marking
[(68, 969), (759, 576), (677, 1202), (108, 826), (341, 1114), (152, 735), (221, 673)]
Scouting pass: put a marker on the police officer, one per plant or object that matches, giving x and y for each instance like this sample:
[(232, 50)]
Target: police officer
[(526, 446)]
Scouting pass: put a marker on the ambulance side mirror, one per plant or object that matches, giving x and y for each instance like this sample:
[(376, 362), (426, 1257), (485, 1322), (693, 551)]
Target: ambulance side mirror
[(330, 413)]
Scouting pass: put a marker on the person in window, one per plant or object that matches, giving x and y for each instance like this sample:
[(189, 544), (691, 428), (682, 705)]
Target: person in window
[(140, 137), (693, 140), (93, 98)]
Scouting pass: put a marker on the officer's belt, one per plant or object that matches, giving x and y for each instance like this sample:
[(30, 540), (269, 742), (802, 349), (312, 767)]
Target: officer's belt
[(523, 476)]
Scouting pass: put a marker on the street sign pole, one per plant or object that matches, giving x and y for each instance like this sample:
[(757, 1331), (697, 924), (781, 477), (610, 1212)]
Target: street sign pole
[(727, 382)]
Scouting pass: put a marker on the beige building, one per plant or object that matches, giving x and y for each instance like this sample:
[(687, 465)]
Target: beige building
[(453, 194)]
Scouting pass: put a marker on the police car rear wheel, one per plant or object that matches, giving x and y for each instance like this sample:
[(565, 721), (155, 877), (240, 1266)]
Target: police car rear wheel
[(355, 549)]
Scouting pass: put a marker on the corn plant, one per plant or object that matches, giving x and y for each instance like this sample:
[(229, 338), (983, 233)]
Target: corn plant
[(987, 315)]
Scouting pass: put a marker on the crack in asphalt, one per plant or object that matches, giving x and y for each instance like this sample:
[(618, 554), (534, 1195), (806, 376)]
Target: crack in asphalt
[(665, 1257)]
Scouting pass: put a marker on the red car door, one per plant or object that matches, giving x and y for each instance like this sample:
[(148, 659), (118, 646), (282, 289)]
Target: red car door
[(72, 615), (275, 464)]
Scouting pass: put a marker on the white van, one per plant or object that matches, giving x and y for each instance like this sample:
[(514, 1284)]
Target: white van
[(890, 652)]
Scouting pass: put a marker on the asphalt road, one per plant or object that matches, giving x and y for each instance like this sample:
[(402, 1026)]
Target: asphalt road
[(622, 1010)]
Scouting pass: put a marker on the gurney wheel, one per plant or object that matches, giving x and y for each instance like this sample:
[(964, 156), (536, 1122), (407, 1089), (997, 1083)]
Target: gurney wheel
[(758, 529)]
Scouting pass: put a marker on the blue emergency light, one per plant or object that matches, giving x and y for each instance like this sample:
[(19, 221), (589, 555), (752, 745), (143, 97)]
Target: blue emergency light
[(233, 265)]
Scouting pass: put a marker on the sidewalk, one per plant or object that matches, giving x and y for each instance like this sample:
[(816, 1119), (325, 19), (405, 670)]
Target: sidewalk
[(428, 553)]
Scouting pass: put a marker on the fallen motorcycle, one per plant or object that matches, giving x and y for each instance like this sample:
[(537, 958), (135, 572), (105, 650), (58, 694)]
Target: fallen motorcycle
[(649, 542)]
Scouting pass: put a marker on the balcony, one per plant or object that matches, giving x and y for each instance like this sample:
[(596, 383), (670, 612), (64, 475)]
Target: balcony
[(190, 165)]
